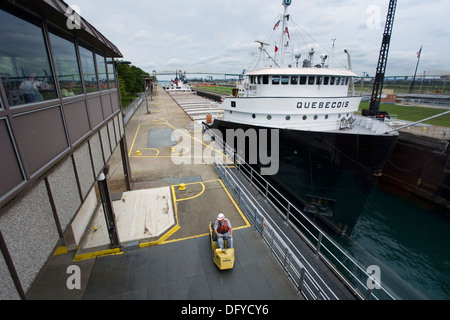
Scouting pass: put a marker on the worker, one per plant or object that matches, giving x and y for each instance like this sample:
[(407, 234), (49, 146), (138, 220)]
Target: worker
[(223, 230)]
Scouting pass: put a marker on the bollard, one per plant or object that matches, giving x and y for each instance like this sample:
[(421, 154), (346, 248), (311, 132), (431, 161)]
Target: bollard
[(182, 187), (138, 153)]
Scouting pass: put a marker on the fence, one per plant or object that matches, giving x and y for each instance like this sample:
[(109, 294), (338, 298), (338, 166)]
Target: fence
[(302, 274)]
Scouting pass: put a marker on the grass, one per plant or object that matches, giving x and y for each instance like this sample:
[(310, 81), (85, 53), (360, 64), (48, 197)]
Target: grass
[(413, 113), (225, 90)]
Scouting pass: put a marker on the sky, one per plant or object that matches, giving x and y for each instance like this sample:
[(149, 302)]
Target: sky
[(219, 35)]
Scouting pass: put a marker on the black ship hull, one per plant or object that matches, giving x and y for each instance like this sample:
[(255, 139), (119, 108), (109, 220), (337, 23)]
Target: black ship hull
[(328, 175)]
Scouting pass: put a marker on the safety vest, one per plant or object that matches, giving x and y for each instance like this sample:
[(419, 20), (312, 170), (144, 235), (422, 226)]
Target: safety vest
[(222, 227)]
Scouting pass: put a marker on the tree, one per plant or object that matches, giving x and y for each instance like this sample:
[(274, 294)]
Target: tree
[(130, 81)]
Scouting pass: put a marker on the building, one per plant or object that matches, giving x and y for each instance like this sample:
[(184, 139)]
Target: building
[(60, 122)]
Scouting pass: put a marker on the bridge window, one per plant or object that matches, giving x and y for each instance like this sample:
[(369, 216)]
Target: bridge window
[(24, 62), (311, 80), (252, 79), (89, 74), (326, 80), (338, 81), (294, 80), (303, 80), (265, 79), (66, 64), (275, 79), (285, 80), (319, 80), (332, 81)]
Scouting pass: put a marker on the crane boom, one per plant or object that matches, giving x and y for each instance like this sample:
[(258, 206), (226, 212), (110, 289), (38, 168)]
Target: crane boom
[(382, 60)]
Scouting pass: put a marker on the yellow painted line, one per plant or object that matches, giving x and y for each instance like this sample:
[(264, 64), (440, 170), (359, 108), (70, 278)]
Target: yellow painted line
[(134, 140), (90, 255), (60, 250), (197, 195), (235, 204)]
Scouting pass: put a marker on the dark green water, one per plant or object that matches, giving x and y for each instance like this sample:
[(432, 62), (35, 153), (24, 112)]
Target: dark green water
[(409, 242)]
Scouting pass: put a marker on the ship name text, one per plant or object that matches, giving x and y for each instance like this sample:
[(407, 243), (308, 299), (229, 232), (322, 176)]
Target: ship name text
[(321, 105)]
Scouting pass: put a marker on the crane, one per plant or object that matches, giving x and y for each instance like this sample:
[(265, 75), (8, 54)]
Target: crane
[(382, 61)]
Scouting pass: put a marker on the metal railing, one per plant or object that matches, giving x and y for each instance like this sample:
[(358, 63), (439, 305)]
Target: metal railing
[(302, 274)]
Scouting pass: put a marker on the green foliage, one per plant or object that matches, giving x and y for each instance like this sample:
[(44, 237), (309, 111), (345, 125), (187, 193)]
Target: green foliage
[(131, 82)]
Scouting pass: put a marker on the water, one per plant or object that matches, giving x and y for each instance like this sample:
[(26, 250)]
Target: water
[(409, 242)]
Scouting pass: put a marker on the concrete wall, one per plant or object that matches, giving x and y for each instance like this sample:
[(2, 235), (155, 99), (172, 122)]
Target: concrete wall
[(34, 222)]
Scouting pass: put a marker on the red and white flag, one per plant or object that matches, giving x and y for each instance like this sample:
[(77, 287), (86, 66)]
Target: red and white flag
[(287, 31), (419, 52), (276, 24), (276, 48)]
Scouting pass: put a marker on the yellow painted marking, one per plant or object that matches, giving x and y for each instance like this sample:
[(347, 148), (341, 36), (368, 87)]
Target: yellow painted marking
[(60, 250), (90, 255), (197, 195), (235, 204), (135, 136)]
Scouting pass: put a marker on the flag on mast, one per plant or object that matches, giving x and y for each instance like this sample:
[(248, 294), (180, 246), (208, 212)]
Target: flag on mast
[(419, 52), (276, 24), (287, 31)]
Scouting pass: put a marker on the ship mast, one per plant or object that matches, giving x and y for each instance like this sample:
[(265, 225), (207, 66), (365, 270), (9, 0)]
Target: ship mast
[(286, 4)]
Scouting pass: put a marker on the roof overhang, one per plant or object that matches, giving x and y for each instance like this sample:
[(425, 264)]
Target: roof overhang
[(55, 12)]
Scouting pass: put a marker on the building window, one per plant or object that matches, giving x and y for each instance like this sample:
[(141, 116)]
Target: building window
[(66, 64), (89, 74), (102, 73), (111, 73), (24, 62)]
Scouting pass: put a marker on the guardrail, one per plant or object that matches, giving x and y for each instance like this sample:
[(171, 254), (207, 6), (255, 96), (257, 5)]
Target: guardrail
[(131, 108), (302, 274)]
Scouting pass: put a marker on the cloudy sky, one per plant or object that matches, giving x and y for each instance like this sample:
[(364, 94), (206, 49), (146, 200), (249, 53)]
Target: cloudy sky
[(219, 35)]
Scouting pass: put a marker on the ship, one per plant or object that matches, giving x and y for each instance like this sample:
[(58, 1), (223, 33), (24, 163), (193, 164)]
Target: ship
[(179, 84), (329, 155)]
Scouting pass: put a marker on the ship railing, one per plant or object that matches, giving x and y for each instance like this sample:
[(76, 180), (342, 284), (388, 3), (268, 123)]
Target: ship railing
[(302, 274)]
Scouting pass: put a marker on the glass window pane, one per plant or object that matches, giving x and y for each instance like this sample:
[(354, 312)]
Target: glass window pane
[(101, 69), (24, 62), (285, 80), (111, 74), (275, 79), (66, 64), (89, 74), (303, 79), (294, 80)]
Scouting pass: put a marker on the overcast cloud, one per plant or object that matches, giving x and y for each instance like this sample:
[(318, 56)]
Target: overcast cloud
[(218, 35)]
